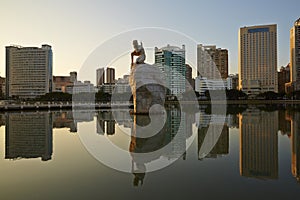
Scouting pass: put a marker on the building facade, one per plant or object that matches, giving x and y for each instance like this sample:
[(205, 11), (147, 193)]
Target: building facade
[(203, 84), (60, 83), (28, 71), (106, 79), (190, 85), (171, 60), (80, 87), (100, 77), (110, 75), (122, 85), (295, 56), (2, 86), (257, 63), (212, 62), (233, 81), (283, 78)]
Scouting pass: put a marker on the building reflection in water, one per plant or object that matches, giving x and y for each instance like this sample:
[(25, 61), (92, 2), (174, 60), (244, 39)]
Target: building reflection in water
[(28, 135), (64, 119), (221, 147), (213, 136), (259, 144), (105, 123), (295, 143)]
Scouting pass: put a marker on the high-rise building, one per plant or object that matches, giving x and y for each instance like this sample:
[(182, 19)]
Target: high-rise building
[(189, 77), (28, 71), (295, 55), (2, 86), (171, 60), (110, 75), (283, 78), (258, 59), (100, 76), (259, 144), (212, 62), (106, 85)]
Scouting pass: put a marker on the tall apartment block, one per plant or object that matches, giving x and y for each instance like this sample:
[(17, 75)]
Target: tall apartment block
[(295, 57), (110, 75), (28, 71), (212, 62), (105, 76), (257, 63), (100, 76), (171, 60)]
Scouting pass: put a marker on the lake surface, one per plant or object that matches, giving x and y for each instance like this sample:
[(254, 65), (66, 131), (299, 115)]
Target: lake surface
[(250, 153)]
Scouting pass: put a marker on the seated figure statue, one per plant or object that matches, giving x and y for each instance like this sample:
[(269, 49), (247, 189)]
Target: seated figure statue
[(138, 51)]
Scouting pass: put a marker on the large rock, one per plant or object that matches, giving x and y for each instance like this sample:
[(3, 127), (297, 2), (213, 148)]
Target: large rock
[(148, 87)]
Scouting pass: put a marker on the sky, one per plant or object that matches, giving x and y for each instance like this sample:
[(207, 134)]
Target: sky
[(75, 29)]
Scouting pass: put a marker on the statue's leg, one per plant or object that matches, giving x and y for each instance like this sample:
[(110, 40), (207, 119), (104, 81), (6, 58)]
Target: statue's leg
[(140, 59)]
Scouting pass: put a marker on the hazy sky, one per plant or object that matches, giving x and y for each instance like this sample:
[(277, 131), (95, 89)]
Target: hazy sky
[(76, 28)]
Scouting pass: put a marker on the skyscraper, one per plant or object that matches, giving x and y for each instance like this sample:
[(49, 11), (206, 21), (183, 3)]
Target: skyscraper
[(258, 59), (283, 78), (110, 75), (295, 55), (171, 60), (28, 71), (100, 76), (189, 77), (212, 62)]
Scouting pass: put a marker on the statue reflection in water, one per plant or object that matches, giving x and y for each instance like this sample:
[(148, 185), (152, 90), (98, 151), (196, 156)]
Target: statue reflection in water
[(169, 141), (139, 145)]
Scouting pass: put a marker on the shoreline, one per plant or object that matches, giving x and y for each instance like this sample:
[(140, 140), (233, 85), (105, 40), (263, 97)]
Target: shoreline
[(21, 107)]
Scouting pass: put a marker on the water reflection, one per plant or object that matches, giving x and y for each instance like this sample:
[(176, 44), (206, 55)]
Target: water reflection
[(30, 135), (295, 137), (259, 144)]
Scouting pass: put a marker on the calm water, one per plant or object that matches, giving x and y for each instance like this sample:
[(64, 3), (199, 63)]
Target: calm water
[(255, 154)]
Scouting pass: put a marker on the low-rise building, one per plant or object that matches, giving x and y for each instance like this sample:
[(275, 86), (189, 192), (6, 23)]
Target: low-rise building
[(81, 87)]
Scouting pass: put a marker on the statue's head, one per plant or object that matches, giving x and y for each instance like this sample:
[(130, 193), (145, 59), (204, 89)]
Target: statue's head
[(135, 44)]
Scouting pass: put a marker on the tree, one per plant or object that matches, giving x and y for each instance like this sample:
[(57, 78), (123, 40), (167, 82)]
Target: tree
[(102, 96), (234, 94), (55, 96), (269, 95)]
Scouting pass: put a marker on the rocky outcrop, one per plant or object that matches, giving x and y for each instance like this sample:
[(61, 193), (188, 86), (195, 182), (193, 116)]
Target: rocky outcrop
[(148, 87)]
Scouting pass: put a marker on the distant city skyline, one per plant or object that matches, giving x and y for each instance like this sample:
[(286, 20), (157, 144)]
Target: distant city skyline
[(74, 30)]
